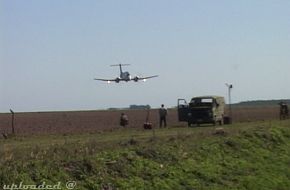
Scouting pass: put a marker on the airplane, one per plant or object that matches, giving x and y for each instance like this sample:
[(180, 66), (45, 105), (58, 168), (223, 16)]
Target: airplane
[(125, 76)]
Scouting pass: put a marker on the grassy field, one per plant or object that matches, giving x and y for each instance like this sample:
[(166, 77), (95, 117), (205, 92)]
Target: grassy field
[(252, 155)]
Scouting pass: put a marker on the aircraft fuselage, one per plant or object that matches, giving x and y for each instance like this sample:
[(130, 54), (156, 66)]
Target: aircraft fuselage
[(125, 76)]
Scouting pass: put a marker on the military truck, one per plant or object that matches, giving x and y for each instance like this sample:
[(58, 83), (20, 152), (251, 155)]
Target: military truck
[(202, 109)]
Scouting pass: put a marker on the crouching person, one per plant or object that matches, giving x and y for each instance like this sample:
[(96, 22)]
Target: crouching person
[(124, 121)]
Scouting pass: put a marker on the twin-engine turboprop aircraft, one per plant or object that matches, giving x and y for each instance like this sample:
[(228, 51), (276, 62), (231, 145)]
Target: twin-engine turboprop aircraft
[(125, 76)]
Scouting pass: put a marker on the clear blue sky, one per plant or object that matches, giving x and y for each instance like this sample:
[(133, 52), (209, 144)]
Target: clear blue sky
[(50, 51)]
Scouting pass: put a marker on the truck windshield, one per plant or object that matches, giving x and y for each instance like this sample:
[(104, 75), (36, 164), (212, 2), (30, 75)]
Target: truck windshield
[(201, 102)]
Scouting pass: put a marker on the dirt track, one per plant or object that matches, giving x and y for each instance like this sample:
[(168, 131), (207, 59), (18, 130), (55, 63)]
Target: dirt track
[(93, 121)]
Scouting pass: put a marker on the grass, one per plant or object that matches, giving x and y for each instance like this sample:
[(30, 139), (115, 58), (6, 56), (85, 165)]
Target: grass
[(247, 156)]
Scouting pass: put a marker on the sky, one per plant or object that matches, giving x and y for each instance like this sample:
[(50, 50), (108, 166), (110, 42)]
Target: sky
[(51, 50)]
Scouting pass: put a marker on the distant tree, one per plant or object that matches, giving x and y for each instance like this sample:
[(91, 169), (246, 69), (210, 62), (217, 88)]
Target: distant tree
[(139, 107), (113, 109), (262, 102)]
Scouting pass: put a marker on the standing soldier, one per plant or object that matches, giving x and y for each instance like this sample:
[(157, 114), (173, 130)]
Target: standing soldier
[(162, 116)]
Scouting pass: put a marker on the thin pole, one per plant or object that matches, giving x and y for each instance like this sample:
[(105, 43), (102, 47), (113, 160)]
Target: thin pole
[(230, 102), (230, 86), (13, 130)]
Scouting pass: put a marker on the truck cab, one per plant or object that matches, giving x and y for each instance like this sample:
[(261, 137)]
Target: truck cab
[(202, 109)]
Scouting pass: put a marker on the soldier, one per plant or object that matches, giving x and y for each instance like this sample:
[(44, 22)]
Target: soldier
[(283, 110), (124, 121), (162, 116)]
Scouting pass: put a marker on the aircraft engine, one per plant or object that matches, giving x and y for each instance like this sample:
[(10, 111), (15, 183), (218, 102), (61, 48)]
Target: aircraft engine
[(136, 79), (117, 79)]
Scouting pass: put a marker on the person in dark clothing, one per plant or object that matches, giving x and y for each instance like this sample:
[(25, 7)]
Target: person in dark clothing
[(124, 121), (162, 116), (283, 110)]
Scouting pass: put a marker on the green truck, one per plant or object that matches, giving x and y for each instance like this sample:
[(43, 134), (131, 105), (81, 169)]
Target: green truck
[(202, 109)]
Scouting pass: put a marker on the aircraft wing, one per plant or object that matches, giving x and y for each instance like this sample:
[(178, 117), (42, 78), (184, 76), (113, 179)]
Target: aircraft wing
[(106, 80), (144, 78)]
